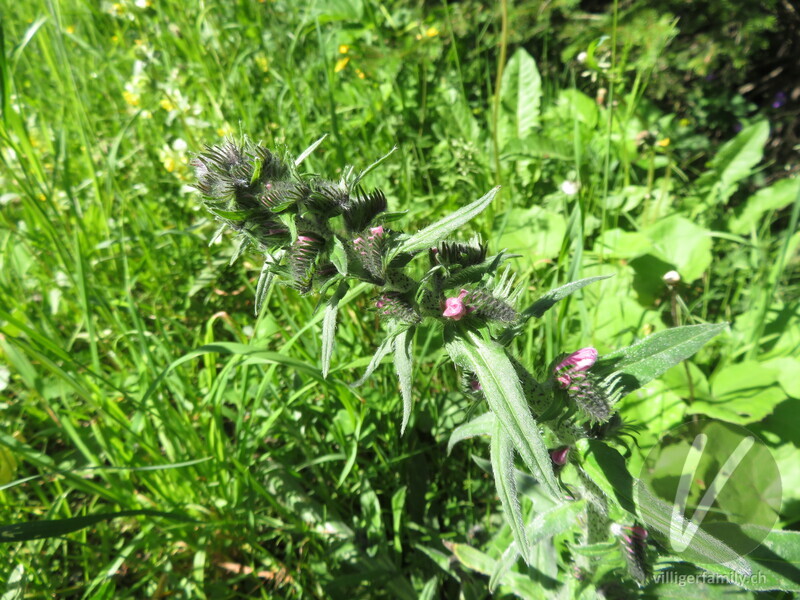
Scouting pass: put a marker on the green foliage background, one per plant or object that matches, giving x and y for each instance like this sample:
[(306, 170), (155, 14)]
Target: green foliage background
[(261, 478)]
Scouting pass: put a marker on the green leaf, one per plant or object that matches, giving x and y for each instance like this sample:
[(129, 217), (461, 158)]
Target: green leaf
[(265, 280), (305, 153), (482, 425), (683, 244), (533, 232), (546, 302), (775, 197), (374, 165), (734, 161), (47, 528), (15, 586), (606, 468), (503, 392), (433, 234), (521, 585), (386, 347), (521, 96), (743, 393), (329, 326), (546, 524), (403, 364), (775, 564), (339, 256), (502, 455), (652, 356)]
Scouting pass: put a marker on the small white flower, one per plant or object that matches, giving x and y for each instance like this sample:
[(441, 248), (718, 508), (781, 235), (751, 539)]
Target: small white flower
[(672, 277), (582, 57), (570, 188)]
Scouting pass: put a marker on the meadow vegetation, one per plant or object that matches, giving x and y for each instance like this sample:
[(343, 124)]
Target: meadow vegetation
[(158, 438)]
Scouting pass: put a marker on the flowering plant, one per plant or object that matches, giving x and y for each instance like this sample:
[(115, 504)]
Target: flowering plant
[(322, 236)]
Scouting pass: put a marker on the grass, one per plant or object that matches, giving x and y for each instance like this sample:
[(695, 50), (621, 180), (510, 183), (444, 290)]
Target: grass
[(135, 374)]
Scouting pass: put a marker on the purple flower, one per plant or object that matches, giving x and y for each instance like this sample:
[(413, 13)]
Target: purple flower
[(578, 362), (779, 100)]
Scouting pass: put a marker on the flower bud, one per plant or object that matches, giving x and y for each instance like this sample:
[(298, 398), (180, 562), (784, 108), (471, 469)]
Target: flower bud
[(454, 307), (578, 362)]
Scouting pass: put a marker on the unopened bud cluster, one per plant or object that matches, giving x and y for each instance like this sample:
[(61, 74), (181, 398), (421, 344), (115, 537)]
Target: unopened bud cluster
[(313, 231)]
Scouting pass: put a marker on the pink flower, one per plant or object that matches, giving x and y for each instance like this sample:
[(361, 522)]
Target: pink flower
[(578, 362), (376, 231), (304, 240), (454, 307)]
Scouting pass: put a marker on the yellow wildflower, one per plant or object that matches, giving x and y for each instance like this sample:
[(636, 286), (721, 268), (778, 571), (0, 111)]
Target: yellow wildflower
[(167, 104), (341, 64), (169, 163), (262, 63), (70, 29), (225, 130), (360, 74), (432, 32), (131, 98), (663, 143), (344, 49)]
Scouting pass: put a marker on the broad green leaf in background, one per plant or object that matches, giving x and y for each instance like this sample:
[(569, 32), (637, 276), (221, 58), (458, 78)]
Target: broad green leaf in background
[(743, 393), (338, 10), (683, 244), (503, 393), (433, 234), (733, 162), (775, 197), (8, 466), (15, 585), (534, 232), (652, 356), (577, 105), (521, 96)]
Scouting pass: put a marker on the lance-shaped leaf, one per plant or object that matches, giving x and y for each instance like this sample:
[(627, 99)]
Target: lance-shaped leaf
[(386, 347), (503, 392), (775, 564), (645, 360), (435, 233), (502, 452), (329, 326), (305, 153), (546, 524), (545, 303), (403, 364), (606, 468), (483, 425), (48, 528)]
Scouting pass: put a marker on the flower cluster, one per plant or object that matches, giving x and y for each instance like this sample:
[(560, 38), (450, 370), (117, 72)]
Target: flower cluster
[(313, 232)]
